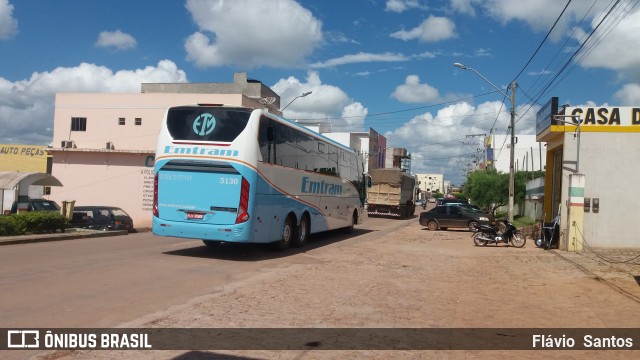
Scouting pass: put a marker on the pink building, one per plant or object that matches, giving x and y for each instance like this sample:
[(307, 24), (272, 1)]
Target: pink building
[(104, 143)]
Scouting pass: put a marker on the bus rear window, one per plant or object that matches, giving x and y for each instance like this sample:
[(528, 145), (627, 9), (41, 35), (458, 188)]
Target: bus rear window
[(195, 123)]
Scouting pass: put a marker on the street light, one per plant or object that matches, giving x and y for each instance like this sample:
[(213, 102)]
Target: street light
[(558, 118), (294, 99), (513, 86)]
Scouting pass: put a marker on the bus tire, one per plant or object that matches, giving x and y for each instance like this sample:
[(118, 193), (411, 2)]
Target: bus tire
[(354, 220), (211, 244), (302, 232), (288, 233)]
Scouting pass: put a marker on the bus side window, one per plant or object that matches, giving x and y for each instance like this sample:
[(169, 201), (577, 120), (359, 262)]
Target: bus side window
[(265, 139)]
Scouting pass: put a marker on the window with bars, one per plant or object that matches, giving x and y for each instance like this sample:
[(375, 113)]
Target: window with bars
[(122, 121), (138, 121), (78, 124)]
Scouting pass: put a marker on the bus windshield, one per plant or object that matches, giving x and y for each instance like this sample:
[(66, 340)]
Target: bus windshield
[(194, 123)]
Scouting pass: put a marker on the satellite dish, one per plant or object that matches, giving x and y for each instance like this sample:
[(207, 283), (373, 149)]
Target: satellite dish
[(267, 101)]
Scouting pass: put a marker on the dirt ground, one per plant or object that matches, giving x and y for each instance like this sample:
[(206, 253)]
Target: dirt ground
[(413, 278)]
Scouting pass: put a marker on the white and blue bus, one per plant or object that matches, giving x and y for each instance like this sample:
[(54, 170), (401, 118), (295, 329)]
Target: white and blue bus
[(235, 174)]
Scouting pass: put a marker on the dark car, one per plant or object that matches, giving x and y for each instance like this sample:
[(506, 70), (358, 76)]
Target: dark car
[(103, 218), (444, 217), (474, 209), (35, 205), (445, 201)]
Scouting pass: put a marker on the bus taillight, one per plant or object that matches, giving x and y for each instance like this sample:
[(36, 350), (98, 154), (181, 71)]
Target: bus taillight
[(243, 209), (155, 196)]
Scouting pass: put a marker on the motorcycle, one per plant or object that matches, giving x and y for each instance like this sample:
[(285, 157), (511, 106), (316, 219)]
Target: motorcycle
[(484, 234)]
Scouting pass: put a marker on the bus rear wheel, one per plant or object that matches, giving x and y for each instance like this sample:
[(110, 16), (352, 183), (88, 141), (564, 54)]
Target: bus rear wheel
[(354, 221), (303, 232), (288, 234)]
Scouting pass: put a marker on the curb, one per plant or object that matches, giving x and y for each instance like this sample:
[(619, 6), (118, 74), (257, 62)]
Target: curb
[(36, 238)]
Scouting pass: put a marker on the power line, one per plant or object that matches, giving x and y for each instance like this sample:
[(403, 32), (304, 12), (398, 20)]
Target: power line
[(400, 111), (543, 40)]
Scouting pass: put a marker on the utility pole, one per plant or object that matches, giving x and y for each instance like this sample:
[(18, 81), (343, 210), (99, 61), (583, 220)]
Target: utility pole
[(512, 152), (513, 132)]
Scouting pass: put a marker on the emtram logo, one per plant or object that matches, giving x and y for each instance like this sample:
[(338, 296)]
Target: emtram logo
[(204, 124), (23, 339)]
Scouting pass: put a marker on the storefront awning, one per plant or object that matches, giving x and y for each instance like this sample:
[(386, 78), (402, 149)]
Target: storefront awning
[(10, 179)]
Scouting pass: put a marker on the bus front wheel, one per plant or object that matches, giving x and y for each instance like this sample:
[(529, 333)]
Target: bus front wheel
[(288, 233)]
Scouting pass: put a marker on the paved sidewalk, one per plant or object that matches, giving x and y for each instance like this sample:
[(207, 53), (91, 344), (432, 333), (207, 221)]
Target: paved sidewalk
[(410, 278)]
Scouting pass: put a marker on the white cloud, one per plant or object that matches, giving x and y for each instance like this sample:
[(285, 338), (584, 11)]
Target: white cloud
[(325, 102), (27, 106), (629, 95), (8, 24), (619, 51), (399, 6), (360, 58), (433, 29), (463, 6), (276, 33), (438, 144), (116, 39), (412, 91), (540, 15)]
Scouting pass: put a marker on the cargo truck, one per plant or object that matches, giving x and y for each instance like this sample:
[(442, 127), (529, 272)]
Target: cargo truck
[(392, 193)]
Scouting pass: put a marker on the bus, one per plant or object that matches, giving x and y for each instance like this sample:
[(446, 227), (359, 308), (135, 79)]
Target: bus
[(235, 174)]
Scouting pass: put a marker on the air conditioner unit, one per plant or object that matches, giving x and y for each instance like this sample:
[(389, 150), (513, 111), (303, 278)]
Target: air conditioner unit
[(67, 144), (109, 145)]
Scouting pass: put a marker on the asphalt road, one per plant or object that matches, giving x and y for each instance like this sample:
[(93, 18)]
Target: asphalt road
[(103, 282)]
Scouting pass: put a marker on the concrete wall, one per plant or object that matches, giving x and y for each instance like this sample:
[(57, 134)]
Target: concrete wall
[(523, 150), (609, 163), (114, 179)]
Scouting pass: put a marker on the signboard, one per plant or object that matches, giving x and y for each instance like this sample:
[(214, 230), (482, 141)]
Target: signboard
[(23, 158), (614, 119), (544, 116)]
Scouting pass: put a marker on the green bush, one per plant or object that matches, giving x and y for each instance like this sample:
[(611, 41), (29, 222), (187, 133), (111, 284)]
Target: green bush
[(501, 214), (8, 226), (34, 222), (521, 221)]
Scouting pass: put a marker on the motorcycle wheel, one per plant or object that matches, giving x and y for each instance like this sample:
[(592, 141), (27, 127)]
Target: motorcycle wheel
[(518, 239), (478, 241)]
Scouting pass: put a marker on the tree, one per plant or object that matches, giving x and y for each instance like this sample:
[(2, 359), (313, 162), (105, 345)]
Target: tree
[(488, 189)]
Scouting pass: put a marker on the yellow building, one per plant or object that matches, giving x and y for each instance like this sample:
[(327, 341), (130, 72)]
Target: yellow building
[(23, 159)]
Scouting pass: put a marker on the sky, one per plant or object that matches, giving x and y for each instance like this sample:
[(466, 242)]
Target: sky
[(380, 64)]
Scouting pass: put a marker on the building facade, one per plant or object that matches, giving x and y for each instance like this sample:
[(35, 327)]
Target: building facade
[(529, 154), (592, 154), (431, 183), (104, 143)]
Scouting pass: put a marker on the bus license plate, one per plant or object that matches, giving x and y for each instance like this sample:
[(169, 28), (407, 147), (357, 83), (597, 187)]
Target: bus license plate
[(195, 216)]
